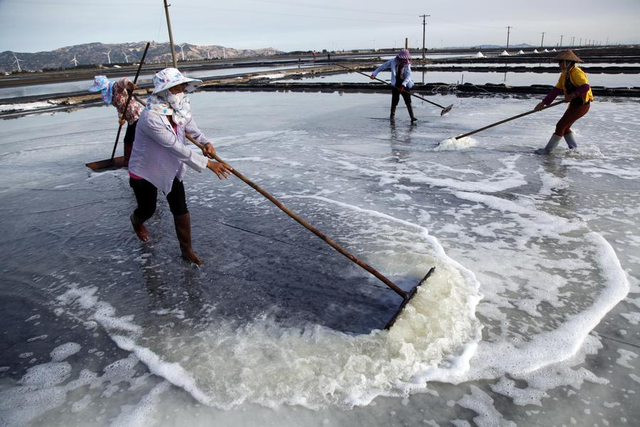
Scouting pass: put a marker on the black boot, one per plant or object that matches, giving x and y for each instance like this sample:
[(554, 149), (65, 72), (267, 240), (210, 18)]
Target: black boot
[(413, 118), (393, 112), (183, 230)]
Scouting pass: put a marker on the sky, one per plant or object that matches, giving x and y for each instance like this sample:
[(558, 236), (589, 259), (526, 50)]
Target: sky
[(42, 25)]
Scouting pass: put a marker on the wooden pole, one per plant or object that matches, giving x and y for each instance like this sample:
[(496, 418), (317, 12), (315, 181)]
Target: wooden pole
[(507, 120), (173, 49), (444, 109), (130, 93), (308, 226)]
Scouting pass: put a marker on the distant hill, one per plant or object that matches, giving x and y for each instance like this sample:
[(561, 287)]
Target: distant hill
[(92, 54), (495, 46)]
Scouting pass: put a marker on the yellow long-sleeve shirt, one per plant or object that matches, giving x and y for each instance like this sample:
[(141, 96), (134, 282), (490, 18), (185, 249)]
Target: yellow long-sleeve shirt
[(578, 78)]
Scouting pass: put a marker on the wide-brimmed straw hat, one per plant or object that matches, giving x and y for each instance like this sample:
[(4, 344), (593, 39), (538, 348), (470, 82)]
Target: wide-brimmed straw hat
[(170, 77), (568, 55)]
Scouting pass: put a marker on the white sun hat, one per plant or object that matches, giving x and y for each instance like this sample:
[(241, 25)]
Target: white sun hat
[(170, 77)]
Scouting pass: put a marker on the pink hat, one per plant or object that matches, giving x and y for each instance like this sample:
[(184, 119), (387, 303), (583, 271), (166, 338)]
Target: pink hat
[(404, 57)]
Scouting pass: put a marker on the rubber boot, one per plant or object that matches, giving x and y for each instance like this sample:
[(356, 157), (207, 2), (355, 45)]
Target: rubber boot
[(571, 141), (553, 143), (413, 118), (139, 228), (392, 115), (183, 231)]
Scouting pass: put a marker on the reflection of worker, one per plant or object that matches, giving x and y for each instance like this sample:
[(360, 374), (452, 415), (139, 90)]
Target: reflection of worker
[(160, 156), (116, 94), (400, 80), (577, 92)]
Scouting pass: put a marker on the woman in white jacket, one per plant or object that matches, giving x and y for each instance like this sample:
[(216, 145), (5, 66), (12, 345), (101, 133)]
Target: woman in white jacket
[(161, 155), (400, 79)]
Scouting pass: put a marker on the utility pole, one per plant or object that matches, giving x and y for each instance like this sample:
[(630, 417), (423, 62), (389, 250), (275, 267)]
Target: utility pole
[(424, 29), (508, 33), (173, 49), (573, 41), (542, 42)]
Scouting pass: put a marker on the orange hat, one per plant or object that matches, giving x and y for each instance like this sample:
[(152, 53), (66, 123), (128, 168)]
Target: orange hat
[(568, 55)]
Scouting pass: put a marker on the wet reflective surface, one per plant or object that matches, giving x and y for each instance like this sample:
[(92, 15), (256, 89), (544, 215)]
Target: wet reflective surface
[(279, 329)]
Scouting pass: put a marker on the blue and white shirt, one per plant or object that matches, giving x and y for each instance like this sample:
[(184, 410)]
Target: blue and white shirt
[(393, 64)]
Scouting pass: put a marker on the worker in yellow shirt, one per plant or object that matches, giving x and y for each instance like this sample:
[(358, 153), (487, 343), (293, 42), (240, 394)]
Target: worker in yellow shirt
[(573, 83)]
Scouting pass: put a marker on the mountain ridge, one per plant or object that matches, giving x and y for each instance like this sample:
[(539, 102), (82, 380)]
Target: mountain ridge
[(96, 53)]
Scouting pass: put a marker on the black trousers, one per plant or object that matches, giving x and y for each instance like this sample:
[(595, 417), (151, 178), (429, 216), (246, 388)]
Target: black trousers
[(129, 136), (130, 133), (147, 197), (395, 97)]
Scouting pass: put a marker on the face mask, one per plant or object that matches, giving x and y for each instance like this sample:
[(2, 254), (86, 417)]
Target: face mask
[(179, 102), (176, 100)]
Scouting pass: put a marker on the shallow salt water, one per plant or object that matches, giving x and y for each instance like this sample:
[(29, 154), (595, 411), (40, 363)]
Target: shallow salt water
[(521, 323), (478, 78), (81, 85)]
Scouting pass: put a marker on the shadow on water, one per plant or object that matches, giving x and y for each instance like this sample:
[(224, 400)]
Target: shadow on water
[(272, 267)]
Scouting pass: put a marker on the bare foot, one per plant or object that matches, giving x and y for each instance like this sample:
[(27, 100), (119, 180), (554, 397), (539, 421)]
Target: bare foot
[(140, 229), (192, 257)]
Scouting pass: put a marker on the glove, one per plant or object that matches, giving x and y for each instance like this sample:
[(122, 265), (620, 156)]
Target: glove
[(401, 88)]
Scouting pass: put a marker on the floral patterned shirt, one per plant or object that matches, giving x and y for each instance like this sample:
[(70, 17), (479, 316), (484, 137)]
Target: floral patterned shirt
[(119, 100)]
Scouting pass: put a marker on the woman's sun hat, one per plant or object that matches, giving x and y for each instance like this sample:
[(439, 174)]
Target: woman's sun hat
[(170, 77), (568, 55), (99, 83), (105, 86)]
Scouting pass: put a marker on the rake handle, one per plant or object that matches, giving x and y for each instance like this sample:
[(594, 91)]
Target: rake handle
[(126, 104), (389, 84), (507, 120), (308, 226)]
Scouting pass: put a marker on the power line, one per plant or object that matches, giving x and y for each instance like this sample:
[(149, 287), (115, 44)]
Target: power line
[(323, 7)]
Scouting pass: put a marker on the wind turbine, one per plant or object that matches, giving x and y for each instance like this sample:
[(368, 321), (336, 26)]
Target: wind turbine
[(74, 60), (208, 54), (17, 62), (182, 50), (126, 57), (108, 56)]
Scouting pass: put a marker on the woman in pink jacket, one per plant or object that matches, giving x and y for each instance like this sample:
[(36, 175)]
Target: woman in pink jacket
[(161, 155), (573, 83)]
